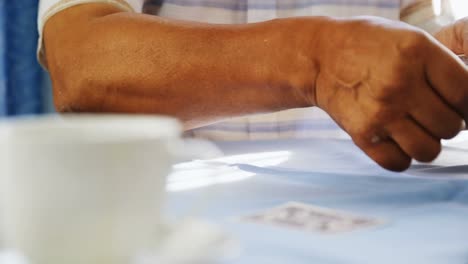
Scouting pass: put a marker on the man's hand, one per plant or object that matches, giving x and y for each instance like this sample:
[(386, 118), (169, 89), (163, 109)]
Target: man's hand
[(393, 88), (455, 36)]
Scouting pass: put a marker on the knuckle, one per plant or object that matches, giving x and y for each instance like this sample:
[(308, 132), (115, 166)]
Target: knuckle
[(379, 114), (362, 134), (413, 44), (395, 86), (386, 155), (384, 113)]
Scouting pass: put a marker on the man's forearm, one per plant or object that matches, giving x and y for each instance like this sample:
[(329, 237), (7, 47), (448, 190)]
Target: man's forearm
[(395, 89), (102, 61)]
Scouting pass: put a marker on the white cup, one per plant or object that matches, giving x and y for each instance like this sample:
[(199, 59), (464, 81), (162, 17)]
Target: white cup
[(84, 189)]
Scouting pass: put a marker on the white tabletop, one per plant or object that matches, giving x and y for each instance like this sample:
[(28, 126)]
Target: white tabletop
[(425, 209)]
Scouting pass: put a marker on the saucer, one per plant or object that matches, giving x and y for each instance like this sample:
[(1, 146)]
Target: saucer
[(199, 241)]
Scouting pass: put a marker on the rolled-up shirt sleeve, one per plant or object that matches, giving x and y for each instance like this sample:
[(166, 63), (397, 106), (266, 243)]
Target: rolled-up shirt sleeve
[(48, 8)]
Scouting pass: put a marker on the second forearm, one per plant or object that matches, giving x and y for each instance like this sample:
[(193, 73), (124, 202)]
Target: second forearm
[(453, 36)]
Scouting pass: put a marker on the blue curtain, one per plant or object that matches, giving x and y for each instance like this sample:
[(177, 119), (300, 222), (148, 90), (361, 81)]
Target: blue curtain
[(23, 89)]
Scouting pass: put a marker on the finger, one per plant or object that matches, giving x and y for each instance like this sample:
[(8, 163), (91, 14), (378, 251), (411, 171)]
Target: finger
[(386, 153), (414, 140), (435, 115), (448, 76)]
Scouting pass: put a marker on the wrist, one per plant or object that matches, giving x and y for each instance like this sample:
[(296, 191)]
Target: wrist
[(297, 49)]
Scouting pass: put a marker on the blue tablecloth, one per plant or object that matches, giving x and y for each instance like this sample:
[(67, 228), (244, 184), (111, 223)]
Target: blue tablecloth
[(425, 208)]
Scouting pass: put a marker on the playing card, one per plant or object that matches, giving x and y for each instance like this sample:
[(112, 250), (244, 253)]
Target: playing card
[(312, 218)]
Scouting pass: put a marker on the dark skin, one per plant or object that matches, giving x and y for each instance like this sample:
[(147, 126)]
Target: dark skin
[(373, 76)]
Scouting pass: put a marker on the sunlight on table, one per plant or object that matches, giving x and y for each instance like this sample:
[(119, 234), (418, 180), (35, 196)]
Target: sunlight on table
[(197, 174)]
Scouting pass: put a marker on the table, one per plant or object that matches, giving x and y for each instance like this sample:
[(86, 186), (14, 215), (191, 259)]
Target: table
[(425, 208)]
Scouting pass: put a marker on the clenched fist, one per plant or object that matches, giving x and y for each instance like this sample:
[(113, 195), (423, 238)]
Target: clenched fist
[(395, 89)]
